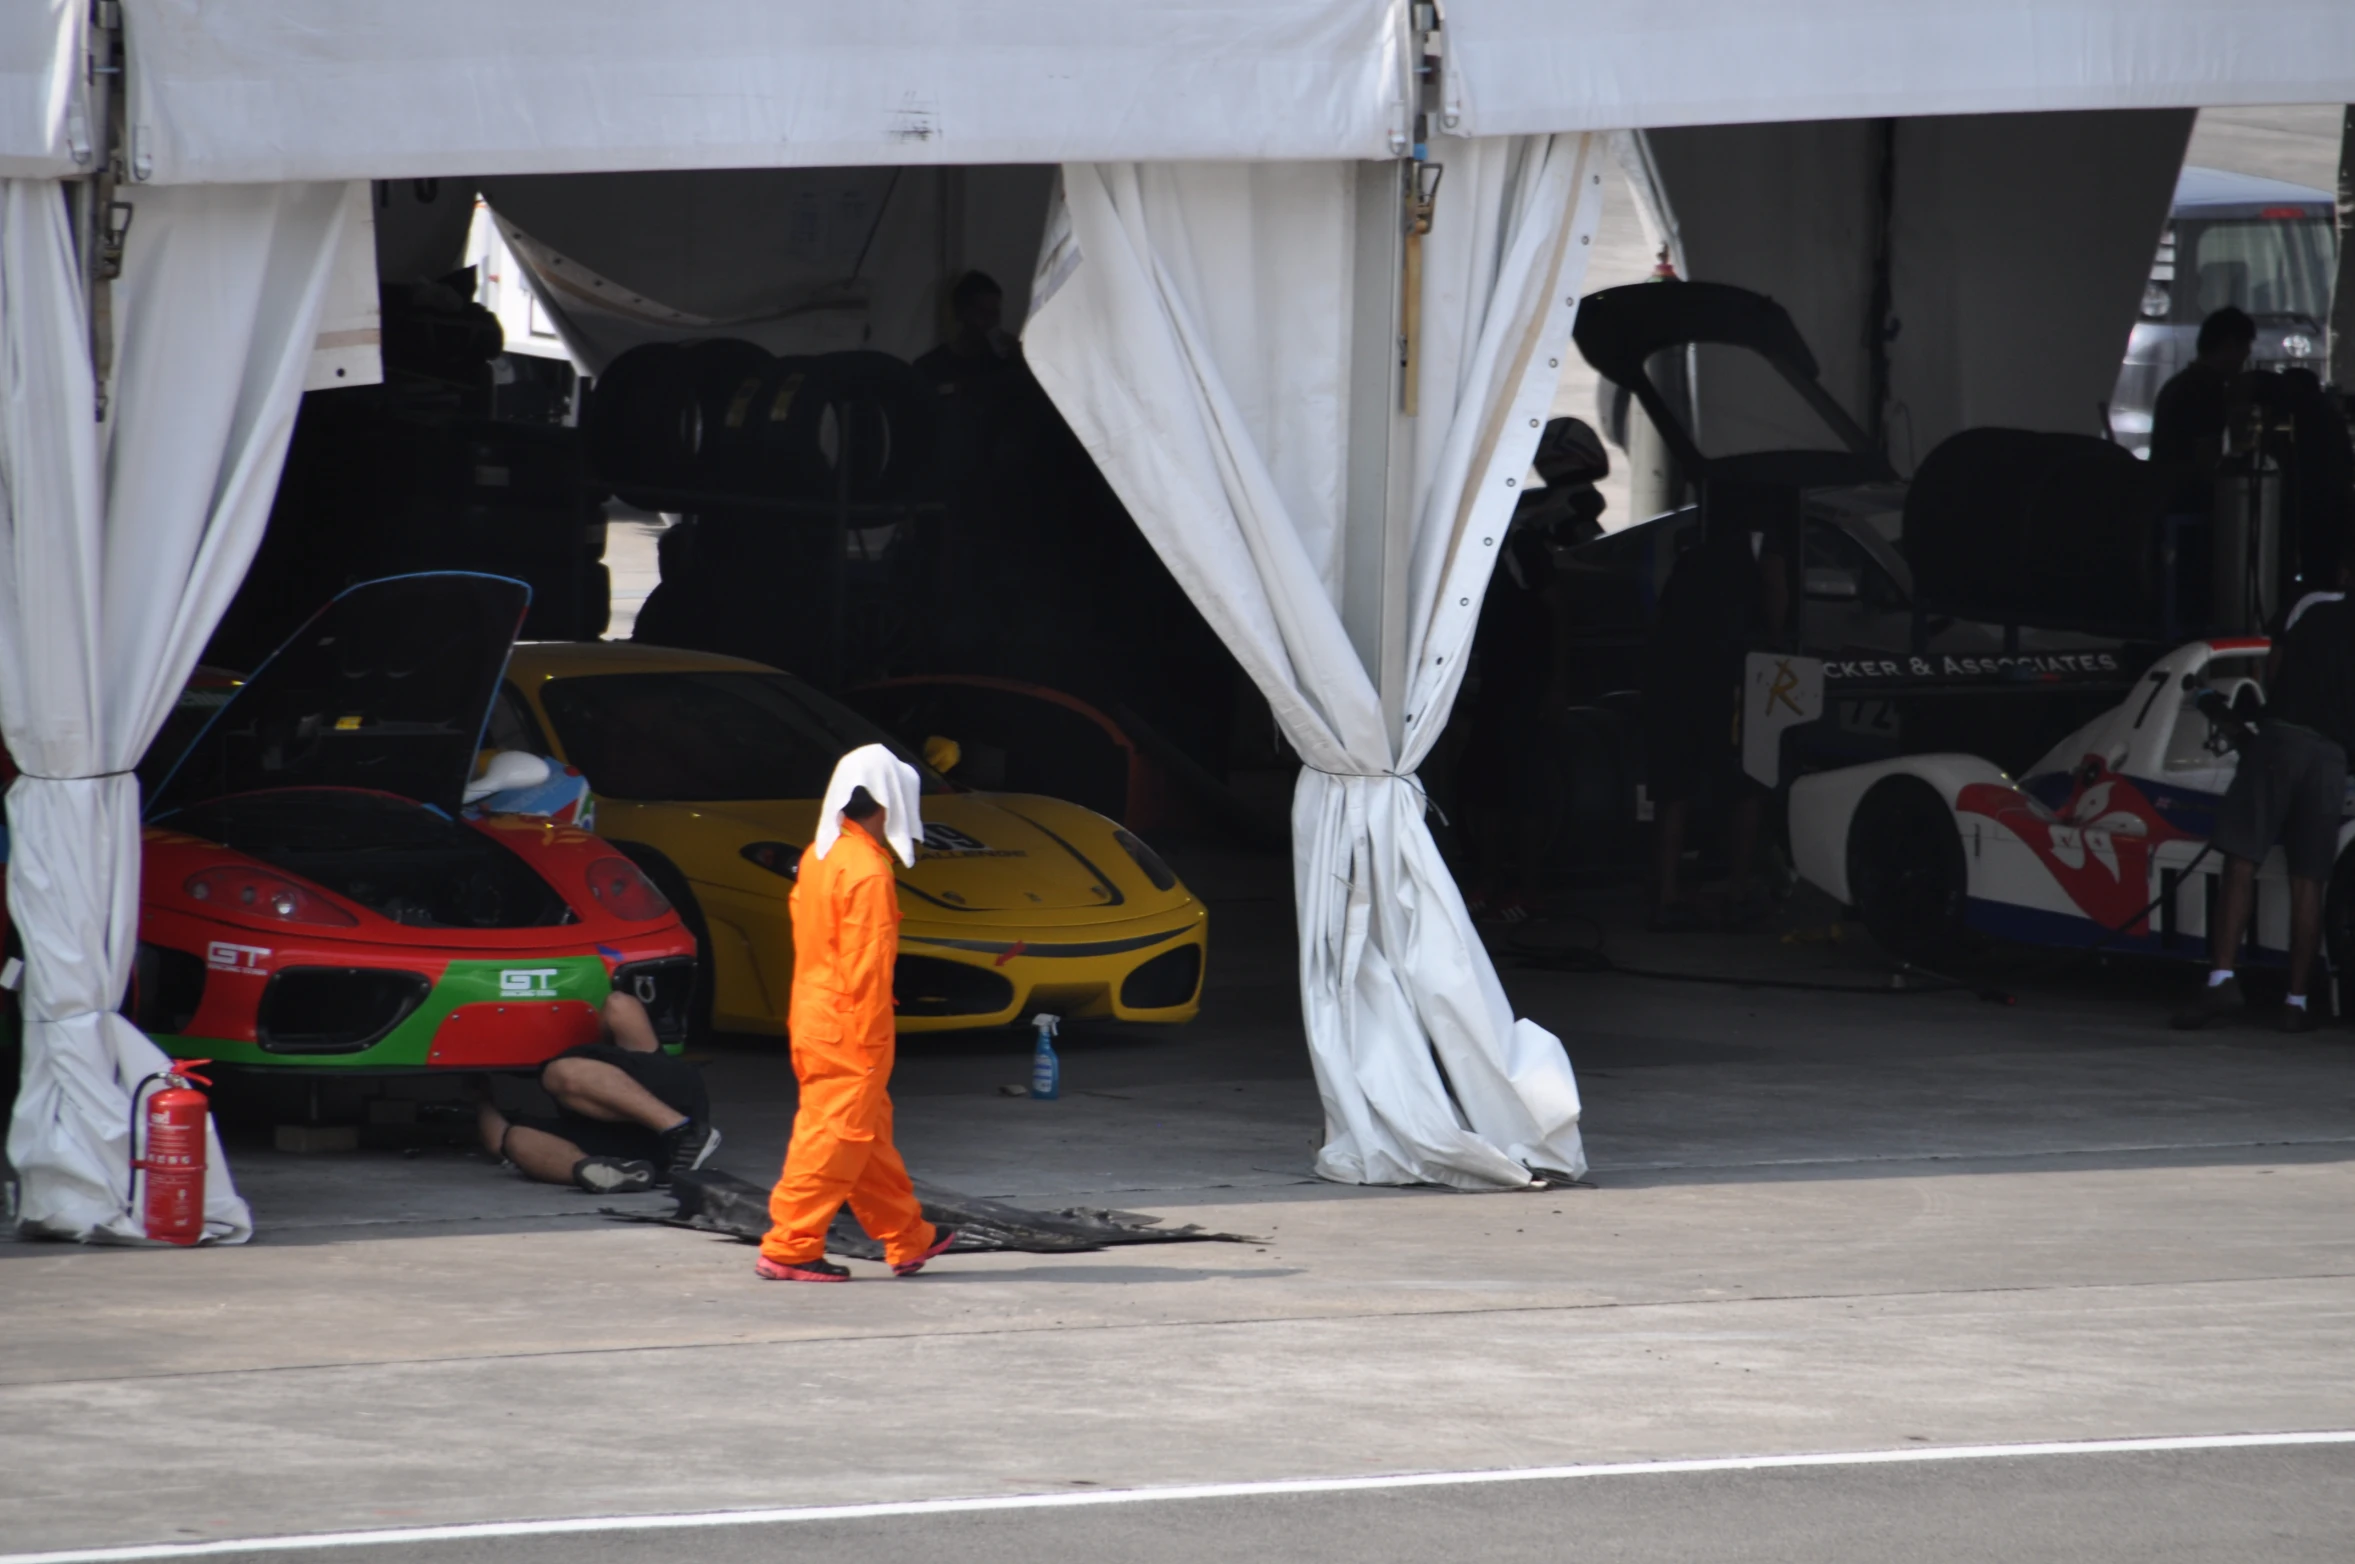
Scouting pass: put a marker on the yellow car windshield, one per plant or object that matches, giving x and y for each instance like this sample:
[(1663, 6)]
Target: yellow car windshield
[(706, 735)]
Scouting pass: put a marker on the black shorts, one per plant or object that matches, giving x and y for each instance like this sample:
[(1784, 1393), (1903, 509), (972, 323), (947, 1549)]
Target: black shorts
[(667, 1076), (624, 1142), (2290, 789)]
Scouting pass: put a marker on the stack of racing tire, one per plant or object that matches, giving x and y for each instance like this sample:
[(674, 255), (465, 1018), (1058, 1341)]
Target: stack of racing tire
[(723, 421), (757, 453)]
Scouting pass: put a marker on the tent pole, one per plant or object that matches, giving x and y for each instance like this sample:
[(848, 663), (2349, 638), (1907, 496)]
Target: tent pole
[(1393, 203), (100, 221), (1376, 525), (2342, 296), (1878, 323)]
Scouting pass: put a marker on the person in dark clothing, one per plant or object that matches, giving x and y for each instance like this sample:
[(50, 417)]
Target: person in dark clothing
[(2288, 791), (984, 553), (2189, 419), (627, 1114), (980, 349), (2321, 490), (1721, 598), (1508, 800), (1509, 780)]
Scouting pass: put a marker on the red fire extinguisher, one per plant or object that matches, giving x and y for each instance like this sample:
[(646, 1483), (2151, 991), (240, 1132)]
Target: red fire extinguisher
[(174, 1161)]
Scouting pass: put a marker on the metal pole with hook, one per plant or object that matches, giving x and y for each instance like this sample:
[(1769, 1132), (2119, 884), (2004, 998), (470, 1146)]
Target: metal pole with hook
[(101, 222)]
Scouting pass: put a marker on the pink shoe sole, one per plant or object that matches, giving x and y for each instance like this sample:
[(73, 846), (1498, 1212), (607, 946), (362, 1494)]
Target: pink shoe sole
[(939, 1247), (769, 1270)]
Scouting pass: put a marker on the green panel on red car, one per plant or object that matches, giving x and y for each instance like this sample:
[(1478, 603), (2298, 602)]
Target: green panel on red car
[(408, 1046)]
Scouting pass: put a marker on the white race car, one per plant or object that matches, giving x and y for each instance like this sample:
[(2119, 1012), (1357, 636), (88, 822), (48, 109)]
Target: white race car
[(2114, 819)]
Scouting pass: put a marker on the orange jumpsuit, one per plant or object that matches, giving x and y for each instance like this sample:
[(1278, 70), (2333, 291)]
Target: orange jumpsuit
[(845, 939)]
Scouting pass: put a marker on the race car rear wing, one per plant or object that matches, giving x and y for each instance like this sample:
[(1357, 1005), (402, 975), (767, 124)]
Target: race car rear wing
[(1785, 694)]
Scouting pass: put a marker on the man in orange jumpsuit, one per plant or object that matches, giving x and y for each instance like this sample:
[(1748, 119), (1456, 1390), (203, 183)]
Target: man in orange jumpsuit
[(845, 939)]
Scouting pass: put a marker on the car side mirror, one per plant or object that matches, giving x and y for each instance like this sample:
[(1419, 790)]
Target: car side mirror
[(942, 754), (508, 770)]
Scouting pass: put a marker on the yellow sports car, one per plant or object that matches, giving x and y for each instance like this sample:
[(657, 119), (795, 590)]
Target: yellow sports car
[(707, 771)]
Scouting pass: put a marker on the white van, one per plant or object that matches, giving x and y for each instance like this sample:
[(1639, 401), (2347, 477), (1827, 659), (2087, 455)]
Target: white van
[(2263, 244)]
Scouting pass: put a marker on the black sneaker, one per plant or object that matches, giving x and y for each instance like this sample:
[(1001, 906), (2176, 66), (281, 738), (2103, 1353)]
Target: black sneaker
[(818, 1270), (2217, 999), (2297, 1018), (613, 1176), (688, 1146)]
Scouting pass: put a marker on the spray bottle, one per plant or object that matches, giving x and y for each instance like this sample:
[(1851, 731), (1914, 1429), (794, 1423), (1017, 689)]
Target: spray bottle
[(1046, 1070)]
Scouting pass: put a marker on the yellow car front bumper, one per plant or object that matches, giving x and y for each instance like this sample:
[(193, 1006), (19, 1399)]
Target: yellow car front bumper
[(1140, 969)]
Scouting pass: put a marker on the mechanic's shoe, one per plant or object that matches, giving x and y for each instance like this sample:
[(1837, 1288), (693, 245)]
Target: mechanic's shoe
[(819, 1270), (942, 1237), (2217, 999), (613, 1176), (2297, 1018), (1678, 917), (688, 1146)]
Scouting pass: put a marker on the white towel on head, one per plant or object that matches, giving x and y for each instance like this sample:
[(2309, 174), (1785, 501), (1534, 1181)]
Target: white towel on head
[(891, 782)]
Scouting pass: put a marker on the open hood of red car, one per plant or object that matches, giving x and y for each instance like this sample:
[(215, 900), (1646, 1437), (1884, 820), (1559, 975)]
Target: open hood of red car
[(387, 687)]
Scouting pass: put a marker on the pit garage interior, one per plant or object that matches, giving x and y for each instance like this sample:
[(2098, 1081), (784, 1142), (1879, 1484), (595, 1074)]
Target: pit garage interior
[(1009, 552)]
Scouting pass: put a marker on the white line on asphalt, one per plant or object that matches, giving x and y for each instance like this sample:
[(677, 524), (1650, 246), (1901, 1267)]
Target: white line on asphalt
[(2138, 1148), (705, 1519)]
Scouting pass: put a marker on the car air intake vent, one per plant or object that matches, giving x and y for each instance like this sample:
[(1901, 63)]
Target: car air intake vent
[(929, 986), (167, 986), (335, 1010), (1167, 980), (665, 988)]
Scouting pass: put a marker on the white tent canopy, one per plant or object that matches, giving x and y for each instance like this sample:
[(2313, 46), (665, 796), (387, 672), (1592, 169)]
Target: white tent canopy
[(1367, 547), (1521, 66), (43, 131), (231, 91), (242, 90)]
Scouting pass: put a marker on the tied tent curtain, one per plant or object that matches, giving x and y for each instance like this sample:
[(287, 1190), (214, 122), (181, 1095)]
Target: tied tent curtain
[(1192, 324), (120, 546)]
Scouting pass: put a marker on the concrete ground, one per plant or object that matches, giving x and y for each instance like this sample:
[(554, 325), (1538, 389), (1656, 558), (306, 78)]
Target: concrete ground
[(1821, 1221), (2169, 1507)]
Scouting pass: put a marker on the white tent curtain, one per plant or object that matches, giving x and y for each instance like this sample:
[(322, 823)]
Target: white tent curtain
[(1192, 325), (120, 545)]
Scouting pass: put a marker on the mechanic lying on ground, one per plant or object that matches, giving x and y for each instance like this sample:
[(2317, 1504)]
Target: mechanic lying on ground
[(2289, 789), (627, 1115)]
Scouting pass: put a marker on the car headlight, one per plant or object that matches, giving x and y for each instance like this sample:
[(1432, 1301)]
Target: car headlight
[(777, 857), (1160, 873), (621, 888), (237, 889)]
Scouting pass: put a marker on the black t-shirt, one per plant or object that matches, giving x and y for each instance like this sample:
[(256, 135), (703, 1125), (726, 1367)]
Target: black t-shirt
[(2315, 684), (2192, 407), (1513, 648), (1708, 615)]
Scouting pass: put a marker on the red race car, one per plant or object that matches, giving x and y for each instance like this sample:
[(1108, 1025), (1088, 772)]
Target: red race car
[(315, 891)]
